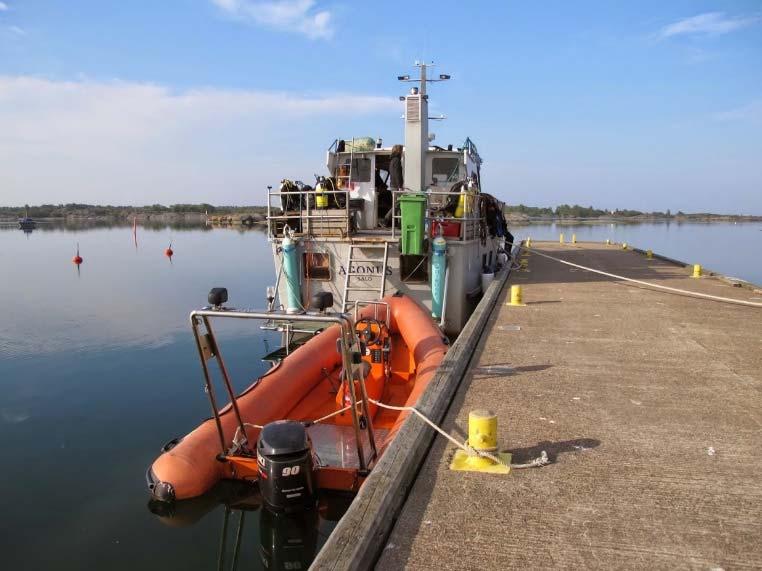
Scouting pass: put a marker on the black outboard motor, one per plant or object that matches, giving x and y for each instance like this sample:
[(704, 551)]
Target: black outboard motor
[(284, 454)]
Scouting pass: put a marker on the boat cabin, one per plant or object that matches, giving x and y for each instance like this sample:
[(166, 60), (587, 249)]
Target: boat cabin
[(437, 238)]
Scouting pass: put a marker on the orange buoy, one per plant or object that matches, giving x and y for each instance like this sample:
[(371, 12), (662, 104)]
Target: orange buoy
[(169, 252), (77, 259)]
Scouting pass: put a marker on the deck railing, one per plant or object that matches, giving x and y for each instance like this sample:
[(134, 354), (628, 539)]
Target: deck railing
[(470, 222), (313, 220)]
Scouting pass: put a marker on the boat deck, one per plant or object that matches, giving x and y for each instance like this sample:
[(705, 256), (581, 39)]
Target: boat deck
[(649, 405)]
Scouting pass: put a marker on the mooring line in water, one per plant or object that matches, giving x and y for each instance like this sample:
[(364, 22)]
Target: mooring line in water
[(648, 284), (542, 460)]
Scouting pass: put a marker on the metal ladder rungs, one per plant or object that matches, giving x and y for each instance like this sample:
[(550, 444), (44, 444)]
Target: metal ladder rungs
[(350, 259)]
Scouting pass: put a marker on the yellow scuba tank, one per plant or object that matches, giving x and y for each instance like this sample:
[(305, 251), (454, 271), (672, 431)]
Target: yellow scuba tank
[(321, 197)]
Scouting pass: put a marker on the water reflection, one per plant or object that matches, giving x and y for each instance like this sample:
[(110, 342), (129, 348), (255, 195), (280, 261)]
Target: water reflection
[(251, 534), (121, 295)]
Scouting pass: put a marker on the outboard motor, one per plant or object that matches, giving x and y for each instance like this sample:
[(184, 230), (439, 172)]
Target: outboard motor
[(284, 454)]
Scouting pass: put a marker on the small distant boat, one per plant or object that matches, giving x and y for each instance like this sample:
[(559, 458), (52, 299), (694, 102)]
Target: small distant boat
[(27, 223)]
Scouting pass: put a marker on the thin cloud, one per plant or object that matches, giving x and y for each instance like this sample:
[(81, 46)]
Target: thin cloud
[(142, 143), (299, 16), (3, 7), (749, 113), (707, 24), (18, 31)]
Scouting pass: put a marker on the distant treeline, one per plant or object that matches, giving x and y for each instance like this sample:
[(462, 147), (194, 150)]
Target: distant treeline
[(93, 210), (577, 211)]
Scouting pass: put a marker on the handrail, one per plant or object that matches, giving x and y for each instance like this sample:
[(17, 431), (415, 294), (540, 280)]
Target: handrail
[(469, 217), (306, 212), (206, 344)]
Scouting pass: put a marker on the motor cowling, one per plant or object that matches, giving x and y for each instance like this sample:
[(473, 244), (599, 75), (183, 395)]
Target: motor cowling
[(284, 454)]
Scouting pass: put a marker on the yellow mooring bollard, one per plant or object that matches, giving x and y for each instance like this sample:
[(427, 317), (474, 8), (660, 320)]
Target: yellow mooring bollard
[(561, 239), (528, 242), (608, 242), (624, 246), (649, 254), (574, 238), (516, 296), (696, 271), (482, 436), (523, 264)]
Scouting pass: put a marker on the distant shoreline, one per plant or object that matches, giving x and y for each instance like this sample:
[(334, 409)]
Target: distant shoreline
[(518, 219), (201, 213)]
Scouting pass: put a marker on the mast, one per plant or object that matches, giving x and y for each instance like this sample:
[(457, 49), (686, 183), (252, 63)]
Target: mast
[(417, 128)]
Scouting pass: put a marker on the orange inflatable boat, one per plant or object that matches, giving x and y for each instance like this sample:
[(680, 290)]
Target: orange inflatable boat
[(320, 417)]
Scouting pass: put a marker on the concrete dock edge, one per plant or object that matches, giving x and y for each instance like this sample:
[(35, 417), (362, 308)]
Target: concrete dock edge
[(359, 537)]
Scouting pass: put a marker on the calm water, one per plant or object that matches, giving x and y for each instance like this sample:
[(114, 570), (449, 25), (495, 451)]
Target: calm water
[(98, 369)]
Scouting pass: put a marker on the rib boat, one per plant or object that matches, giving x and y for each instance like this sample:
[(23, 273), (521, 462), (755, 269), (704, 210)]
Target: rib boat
[(377, 266)]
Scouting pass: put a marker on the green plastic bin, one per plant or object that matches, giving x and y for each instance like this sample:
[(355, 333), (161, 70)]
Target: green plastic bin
[(413, 208)]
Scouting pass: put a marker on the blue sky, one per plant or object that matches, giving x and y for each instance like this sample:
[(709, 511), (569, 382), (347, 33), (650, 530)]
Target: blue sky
[(647, 105)]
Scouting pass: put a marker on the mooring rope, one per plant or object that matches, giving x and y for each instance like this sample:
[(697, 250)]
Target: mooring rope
[(542, 460), (647, 284)]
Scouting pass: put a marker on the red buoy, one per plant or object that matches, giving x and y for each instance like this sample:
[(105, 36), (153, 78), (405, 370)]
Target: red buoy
[(77, 259), (169, 252)]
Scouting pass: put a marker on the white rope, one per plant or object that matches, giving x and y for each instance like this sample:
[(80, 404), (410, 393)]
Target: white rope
[(327, 416), (470, 450), (648, 284)]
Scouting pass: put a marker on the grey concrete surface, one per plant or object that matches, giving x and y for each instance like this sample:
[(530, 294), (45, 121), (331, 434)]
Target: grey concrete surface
[(649, 404)]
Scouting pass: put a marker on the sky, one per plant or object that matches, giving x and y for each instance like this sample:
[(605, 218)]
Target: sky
[(647, 105)]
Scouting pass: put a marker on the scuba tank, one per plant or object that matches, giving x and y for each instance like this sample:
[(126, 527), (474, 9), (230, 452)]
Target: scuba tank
[(321, 197), (438, 269)]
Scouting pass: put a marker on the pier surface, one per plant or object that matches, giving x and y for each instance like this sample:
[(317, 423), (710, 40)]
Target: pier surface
[(649, 405)]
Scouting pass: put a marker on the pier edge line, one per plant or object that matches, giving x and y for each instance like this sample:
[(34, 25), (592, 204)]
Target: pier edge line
[(361, 534)]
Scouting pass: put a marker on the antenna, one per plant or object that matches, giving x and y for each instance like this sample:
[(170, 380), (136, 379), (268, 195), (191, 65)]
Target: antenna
[(417, 126)]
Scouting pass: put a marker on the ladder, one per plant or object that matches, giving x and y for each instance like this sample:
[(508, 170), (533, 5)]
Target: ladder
[(351, 289)]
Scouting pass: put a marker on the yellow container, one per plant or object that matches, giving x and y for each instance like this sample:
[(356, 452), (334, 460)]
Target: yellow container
[(321, 198)]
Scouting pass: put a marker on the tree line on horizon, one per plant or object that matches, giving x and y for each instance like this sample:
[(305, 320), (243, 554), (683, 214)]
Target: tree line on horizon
[(577, 211), (86, 210), (79, 209)]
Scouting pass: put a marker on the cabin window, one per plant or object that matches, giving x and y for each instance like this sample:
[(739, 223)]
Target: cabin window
[(316, 266), (360, 170), (445, 169)]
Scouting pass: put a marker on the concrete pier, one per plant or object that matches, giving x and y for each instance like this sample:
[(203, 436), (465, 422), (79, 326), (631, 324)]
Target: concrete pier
[(649, 405)]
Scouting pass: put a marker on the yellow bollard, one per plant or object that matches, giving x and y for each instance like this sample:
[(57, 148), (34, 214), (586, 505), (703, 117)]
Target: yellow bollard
[(482, 430), (561, 239), (482, 436), (516, 296), (574, 238), (649, 254), (696, 271), (624, 246), (523, 264), (608, 242), (528, 243)]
